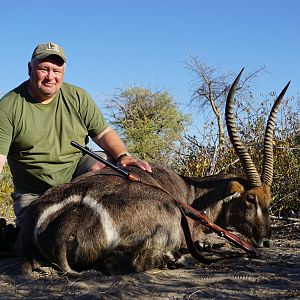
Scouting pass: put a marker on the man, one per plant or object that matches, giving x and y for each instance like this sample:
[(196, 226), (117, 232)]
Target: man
[(40, 118)]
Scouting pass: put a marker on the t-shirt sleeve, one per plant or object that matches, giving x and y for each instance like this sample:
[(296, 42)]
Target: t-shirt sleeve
[(92, 116)]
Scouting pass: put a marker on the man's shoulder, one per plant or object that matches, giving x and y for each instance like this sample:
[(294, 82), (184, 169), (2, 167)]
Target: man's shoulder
[(70, 88), (18, 92), (75, 94)]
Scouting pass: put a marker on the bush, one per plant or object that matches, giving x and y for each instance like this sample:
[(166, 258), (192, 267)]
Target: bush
[(6, 188)]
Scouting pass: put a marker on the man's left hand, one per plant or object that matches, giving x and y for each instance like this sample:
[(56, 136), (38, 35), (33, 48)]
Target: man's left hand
[(131, 161)]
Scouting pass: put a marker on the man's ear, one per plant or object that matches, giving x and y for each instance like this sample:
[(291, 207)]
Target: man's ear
[(29, 68)]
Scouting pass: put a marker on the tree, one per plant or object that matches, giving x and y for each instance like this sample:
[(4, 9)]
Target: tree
[(210, 91), (149, 123)]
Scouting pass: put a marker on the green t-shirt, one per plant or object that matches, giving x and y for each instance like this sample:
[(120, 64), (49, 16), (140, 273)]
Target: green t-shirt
[(36, 137)]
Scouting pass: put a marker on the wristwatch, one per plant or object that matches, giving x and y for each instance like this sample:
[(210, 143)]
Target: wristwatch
[(122, 155)]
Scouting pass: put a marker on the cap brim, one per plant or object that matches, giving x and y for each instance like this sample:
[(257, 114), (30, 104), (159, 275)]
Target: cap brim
[(42, 56)]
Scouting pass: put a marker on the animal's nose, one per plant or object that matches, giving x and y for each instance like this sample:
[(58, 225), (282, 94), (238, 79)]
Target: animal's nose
[(266, 243), (263, 243)]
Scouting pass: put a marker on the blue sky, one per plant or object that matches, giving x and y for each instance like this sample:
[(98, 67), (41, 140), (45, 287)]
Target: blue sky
[(114, 44)]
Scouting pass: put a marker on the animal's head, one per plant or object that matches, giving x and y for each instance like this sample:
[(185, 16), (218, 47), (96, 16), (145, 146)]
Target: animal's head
[(250, 211)]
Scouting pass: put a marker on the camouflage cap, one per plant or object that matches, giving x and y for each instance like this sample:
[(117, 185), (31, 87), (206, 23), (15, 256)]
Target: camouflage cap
[(44, 50)]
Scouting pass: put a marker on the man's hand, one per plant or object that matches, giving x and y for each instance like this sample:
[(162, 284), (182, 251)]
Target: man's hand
[(127, 160), (2, 162)]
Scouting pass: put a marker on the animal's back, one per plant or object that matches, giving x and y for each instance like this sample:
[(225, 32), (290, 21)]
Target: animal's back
[(102, 218)]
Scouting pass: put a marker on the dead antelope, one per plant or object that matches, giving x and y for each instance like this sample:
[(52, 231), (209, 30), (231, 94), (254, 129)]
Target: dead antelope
[(101, 220)]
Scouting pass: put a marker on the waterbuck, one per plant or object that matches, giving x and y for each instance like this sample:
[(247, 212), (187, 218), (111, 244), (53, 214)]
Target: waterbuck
[(102, 220)]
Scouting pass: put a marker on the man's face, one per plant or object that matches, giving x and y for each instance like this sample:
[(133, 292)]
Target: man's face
[(46, 77)]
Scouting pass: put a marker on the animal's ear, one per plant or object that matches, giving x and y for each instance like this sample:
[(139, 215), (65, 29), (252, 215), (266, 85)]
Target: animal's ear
[(234, 187)]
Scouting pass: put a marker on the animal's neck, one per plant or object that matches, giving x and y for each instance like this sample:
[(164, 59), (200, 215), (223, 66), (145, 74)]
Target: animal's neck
[(210, 194)]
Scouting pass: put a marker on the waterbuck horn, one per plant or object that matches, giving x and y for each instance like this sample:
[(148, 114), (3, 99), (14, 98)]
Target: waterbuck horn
[(267, 171), (241, 151)]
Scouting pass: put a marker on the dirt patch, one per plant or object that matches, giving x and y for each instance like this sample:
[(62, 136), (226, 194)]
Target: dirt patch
[(275, 274)]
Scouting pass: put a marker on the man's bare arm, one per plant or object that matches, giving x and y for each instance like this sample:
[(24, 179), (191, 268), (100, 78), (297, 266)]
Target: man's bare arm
[(2, 162), (110, 142)]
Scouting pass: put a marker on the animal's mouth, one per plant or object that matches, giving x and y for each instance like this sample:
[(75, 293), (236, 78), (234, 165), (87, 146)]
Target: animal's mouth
[(261, 243)]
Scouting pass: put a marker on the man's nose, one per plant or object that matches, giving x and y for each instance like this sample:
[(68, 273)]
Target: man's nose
[(50, 75)]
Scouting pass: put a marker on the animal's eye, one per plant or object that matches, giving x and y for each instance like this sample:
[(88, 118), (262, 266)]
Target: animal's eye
[(251, 198), (72, 237)]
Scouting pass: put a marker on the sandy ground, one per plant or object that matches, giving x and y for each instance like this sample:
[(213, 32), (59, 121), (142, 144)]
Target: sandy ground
[(275, 274)]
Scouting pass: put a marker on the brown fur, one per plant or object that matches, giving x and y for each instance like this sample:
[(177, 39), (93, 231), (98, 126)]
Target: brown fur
[(146, 219)]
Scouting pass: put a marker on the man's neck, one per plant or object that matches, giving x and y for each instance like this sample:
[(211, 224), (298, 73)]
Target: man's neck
[(38, 98)]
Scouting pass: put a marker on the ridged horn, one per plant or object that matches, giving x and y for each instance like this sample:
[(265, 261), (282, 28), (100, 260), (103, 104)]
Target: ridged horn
[(241, 151), (267, 170)]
